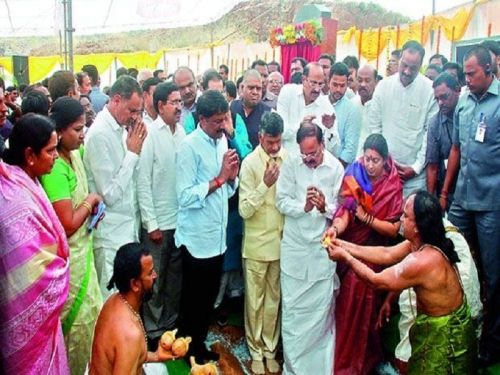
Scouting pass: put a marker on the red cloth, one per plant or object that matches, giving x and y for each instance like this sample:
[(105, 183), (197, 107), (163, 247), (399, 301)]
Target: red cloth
[(358, 348), (301, 49)]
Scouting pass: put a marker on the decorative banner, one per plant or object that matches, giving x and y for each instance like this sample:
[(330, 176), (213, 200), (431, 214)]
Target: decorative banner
[(102, 61), (41, 66), (373, 42), (311, 31), (6, 64)]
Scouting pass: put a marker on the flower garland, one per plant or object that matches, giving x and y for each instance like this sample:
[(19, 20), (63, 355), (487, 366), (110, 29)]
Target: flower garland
[(311, 31)]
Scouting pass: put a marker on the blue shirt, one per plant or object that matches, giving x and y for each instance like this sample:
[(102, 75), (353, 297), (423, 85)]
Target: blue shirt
[(439, 143), (348, 121), (479, 176), (202, 217), (98, 99), (239, 141), (252, 121)]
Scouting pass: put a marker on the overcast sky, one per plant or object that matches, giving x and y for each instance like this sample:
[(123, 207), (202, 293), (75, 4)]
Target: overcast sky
[(417, 8)]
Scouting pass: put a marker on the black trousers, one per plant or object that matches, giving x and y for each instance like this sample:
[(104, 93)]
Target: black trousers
[(200, 284)]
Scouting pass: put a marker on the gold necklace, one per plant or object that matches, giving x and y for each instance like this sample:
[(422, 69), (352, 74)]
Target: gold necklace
[(137, 316)]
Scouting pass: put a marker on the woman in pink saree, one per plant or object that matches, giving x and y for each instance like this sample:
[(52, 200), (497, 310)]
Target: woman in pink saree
[(34, 277)]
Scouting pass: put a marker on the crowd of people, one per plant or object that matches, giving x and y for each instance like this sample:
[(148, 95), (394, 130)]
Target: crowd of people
[(329, 205)]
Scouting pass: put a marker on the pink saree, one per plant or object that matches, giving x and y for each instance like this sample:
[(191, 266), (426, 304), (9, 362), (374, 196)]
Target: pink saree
[(34, 278)]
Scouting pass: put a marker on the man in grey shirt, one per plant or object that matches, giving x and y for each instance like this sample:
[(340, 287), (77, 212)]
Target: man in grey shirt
[(475, 155), (446, 92)]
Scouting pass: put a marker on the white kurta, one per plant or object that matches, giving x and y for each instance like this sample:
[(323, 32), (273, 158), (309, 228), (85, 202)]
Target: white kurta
[(401, 114), (308, 277), (364, 133), (111, 172), (156, 179), (292, 108)]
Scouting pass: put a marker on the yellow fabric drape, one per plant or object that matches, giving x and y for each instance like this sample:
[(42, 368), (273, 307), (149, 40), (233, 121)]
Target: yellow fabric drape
[(453, 29), (138, 60), (369, 41), (102, 61), (41, 66), (6, 64)]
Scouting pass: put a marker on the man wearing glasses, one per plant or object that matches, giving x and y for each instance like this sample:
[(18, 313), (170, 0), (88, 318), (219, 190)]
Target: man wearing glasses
[(297, 103), (446, 92), (186, 82), (158, 204), (306, 195), (400, 110)]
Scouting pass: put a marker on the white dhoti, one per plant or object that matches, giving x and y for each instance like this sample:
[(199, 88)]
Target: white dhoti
[(104, 260), (308, 325)]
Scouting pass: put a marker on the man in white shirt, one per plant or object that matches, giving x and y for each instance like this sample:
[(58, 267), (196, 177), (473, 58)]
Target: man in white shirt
[(307, 191), (401, 109), (111, 157), (158, 204), (367, 80), (148, 89), (297, 103)]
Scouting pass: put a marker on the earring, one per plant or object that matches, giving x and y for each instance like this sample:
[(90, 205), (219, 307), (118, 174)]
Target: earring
[(31, 163)]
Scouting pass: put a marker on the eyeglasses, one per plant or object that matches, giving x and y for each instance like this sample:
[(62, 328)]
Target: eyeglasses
[(316, 84), (312, 155), (176, 103), (275, 82)]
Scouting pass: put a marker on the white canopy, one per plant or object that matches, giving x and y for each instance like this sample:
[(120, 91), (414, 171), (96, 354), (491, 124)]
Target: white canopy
[(45, 17)]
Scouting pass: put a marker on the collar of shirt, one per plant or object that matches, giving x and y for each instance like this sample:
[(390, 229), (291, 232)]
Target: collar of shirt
[(357, 100), (264, 156), (493, 90), (340, 101), (443, 119), (419, 76), (111, 120), (213, 142), (162, 124), (300, 93)]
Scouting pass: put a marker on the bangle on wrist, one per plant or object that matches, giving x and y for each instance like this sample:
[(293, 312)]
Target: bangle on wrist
[(87, 206)]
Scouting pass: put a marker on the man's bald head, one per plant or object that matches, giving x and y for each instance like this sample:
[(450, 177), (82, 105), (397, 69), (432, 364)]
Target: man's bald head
[(367, 80)]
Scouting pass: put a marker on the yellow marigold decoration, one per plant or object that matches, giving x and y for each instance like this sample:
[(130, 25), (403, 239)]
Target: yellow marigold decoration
[(311, 31)]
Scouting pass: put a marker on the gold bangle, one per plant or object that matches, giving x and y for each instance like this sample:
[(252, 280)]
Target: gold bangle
[(87, 206)]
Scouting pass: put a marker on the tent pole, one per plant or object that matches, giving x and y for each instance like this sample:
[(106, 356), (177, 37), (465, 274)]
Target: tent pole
[(69, 31)]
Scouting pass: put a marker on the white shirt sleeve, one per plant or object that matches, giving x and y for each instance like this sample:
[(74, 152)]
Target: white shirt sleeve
[(432, 109), (144, 185), (109, 184), (286, 188), (290, 126)]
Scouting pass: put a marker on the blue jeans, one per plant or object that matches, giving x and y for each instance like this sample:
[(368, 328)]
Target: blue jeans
[(482, 231)]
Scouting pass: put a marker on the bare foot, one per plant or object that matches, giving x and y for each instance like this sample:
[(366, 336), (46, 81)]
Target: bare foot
[(258, 367), (272, 365)]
